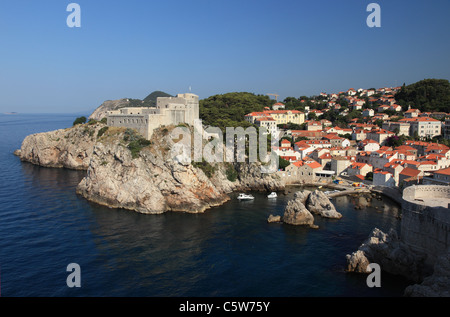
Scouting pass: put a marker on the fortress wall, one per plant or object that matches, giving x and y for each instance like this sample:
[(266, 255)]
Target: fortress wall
[(169, 111), (425, 228), (426, 192), (137, 122)]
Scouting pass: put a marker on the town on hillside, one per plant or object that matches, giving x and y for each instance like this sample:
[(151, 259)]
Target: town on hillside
[(383, 144)]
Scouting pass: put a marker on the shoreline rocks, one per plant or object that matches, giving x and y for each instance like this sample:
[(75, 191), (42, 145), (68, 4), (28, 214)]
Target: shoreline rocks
[(435, 285), (151, 182), (296, 214), (299, 211), (66, 148), (318, 203), (395, 257), (154, 182), (273, 218), (390, 253)]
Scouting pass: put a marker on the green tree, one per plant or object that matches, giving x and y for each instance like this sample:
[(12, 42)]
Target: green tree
[(229, 110), (312, 116), (80, 120), (282, 163), (379, 122), (425, 95)]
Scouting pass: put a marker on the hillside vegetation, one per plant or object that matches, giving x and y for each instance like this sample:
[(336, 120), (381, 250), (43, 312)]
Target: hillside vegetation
[(228, 110), (426, 95)]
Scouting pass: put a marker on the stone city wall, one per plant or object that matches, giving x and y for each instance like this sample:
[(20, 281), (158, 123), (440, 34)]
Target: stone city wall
[(425, 227)]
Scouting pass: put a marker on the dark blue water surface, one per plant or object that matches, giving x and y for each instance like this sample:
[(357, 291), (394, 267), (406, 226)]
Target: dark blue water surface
[(227, 251)]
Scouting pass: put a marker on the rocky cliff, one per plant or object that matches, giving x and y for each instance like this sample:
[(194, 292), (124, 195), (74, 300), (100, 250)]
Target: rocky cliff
[(390, 253), (70, 148), (153, 181), (396, 257), (109, 105), (435, 285), (127, 171)]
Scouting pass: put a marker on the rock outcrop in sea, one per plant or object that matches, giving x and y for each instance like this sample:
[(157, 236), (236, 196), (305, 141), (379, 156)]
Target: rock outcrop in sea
[(388, 251), (435, 285), (297, 214), (69, 148), (318, 203), (299, 211)]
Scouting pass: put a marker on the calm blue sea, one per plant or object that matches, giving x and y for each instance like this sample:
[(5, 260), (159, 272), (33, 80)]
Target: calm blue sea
[(228, 251)]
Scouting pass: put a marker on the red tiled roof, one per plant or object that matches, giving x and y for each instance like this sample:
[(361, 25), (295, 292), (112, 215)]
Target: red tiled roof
[(411, 162), (412, 110), (419, 119), (445, 171), (427, 163), (314, 164), (265, 119), (298, 163), (407, 171), (289, 158), (358, 166)]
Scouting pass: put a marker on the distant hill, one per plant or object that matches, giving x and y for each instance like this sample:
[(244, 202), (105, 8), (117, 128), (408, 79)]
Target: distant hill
[(149, 101), (426, 95)]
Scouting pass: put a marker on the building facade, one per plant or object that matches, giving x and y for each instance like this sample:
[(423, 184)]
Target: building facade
[(280, 116), (447, 128), (184, 108)]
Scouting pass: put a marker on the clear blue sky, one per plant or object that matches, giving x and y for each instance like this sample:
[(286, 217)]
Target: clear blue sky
[(292, 48)]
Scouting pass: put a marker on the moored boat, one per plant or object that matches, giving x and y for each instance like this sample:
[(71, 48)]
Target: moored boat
[(245, 197), (272, 195)]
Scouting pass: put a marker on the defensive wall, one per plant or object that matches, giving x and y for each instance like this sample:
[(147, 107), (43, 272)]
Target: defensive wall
[(425, 223)]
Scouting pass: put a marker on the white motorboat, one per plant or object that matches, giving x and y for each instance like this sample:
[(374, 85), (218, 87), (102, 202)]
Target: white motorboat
[(245, 197), (272, 195)]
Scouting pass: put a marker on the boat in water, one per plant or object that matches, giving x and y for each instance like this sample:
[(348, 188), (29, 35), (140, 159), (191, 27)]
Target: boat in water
[(331, 191), (245, 197), (272, 195)]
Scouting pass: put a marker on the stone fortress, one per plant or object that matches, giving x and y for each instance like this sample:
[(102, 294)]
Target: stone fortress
[(425, 224), (184, 108)]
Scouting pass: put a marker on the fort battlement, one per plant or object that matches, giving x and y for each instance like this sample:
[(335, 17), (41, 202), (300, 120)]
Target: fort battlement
[(184, 108), (425, 224)]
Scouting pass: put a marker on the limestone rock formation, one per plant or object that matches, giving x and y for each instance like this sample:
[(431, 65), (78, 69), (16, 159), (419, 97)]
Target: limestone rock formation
[(357, 262), (318, 203), (156, 182), (149, 184), (302, 196), (296, 213), (273, 218), (436, 285), (390, 253), (299, 211), (70, 148), (147, 178)]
